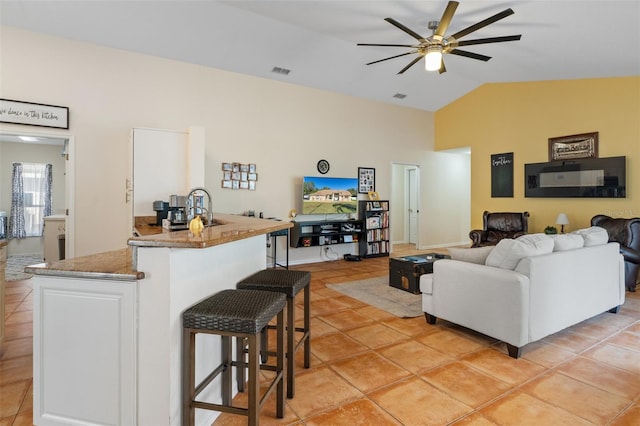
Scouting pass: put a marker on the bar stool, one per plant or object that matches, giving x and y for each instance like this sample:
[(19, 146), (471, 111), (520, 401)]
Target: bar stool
[(290, 283), (241, 314)]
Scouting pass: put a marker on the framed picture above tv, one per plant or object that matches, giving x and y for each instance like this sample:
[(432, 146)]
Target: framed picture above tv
[(329, 195), (366, 180)]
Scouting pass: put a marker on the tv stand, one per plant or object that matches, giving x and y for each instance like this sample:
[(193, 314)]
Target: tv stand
[(325, 232)]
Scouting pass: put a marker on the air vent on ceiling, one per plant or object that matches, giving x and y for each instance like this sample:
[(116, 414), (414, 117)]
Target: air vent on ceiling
[(282, 71), (400, 96)]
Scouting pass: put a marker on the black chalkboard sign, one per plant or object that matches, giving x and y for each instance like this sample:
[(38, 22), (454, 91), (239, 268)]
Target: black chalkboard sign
[(502, 175)]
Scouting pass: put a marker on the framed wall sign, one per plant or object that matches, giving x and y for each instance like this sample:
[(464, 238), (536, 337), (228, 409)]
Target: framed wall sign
[(366, 180), (584, 145), (502, 175), (32, 114)]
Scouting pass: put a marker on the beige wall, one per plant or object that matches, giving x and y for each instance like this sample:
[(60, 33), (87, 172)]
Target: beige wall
[(521, 117), (284, 129)]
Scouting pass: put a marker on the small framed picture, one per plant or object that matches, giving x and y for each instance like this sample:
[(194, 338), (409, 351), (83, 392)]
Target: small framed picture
[(235, 176), (252, 168), (253, 176), (252, 185), (366, 180), (244, 184), (244, 167), (226, 184), (373, 195), (243, 176), (226, 175), (227, 167), (236, 167), (235, 184)]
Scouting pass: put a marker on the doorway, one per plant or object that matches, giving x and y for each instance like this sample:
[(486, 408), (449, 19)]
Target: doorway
[(405, 204), (37, 144)]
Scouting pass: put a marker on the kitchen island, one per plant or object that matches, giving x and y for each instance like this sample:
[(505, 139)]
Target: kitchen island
[(107, 327)]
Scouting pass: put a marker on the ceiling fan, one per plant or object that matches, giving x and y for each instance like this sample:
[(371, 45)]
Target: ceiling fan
[(433, 47)]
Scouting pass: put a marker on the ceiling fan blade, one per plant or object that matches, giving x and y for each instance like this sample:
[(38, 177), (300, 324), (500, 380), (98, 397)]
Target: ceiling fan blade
[(489, 40), (484, 23), (391, 57), (388, 45), (446, 18), (405, 29), (412, 63), (470, 55)]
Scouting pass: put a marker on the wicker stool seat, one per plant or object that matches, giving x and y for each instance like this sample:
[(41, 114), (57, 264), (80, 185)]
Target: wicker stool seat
[(290, 283), (233, 313)]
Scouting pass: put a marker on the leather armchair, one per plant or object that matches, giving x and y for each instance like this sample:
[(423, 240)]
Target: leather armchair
[(498, 226), (625, 232)]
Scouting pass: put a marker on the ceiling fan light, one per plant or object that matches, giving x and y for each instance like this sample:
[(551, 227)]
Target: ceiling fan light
[(433, 59)]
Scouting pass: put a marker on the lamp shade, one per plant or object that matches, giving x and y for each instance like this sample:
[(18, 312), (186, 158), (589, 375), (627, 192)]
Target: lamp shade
[(562, 219), (433, 58)]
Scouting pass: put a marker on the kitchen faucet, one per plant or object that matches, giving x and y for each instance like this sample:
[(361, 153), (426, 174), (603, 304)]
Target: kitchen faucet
[(192, 208)]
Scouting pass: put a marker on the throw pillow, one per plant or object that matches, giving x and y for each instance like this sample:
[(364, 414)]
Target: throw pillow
[(564, 242), (472, 255), (508, 253), (593, 236)]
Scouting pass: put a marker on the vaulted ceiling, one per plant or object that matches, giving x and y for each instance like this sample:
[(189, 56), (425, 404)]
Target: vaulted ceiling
[(316, 40)]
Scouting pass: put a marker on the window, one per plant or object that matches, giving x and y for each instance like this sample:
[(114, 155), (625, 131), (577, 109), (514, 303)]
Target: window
[(30, 199)]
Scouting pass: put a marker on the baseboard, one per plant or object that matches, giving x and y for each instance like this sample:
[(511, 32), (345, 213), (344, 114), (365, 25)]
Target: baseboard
[(462, 243)]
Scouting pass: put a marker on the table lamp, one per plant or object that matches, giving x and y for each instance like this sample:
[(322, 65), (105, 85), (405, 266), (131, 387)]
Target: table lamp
[(562, 220)]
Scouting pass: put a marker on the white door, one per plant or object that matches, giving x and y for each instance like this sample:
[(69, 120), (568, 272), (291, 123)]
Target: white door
[(413, 209)]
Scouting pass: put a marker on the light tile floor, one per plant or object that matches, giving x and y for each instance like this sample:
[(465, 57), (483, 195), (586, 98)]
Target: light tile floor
[(409, 372)]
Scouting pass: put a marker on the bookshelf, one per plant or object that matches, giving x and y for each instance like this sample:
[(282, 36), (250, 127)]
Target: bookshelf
[(323, 233), (375, 219)]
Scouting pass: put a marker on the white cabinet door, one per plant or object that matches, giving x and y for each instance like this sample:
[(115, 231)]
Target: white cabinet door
[(160, 167), (84, 352)]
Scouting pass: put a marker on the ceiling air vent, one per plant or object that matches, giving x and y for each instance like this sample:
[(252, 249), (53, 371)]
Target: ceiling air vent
[(279, 70), (400, 96)]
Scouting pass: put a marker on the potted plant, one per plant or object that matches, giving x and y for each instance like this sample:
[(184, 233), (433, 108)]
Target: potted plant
[(550, 230)]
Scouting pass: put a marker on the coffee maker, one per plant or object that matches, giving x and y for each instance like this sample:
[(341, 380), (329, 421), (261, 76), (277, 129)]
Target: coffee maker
[(162, 210), (176, 214)]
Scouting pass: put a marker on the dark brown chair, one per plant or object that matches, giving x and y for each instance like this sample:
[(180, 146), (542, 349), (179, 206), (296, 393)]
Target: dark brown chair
[(498, 226), (625, 232)]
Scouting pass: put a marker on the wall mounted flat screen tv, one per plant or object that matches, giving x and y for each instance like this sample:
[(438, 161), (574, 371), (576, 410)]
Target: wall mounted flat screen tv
[(329, 195), (589, 177)]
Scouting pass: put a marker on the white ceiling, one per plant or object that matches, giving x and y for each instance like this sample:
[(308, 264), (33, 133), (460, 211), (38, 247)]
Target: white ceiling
[(316, 40)]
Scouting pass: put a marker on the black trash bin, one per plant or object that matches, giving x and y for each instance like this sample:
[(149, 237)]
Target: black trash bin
[(61, 248)]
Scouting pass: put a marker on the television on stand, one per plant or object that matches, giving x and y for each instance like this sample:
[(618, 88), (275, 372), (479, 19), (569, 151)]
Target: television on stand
[(329, 195)]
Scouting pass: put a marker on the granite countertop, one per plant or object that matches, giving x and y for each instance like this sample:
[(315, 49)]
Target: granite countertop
[(228, 228), (118, 265), (113, 265)]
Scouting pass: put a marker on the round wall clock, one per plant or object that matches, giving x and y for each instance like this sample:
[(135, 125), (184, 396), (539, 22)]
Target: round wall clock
[(323, 166)]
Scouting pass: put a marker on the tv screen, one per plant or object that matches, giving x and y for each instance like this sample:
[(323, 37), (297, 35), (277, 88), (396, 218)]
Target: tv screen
[(329, 195)]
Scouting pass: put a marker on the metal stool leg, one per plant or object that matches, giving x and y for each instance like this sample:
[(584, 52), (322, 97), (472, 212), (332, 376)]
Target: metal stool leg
[(291, 342), (254, 382), (307, 326), (188, 376)]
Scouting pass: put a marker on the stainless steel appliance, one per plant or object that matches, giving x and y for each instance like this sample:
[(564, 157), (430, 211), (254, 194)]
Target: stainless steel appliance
[(176, 214)]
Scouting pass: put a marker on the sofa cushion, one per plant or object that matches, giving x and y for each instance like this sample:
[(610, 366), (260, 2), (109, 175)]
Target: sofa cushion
[(593, 236), (564, 242), (508, 253), (473, 255)]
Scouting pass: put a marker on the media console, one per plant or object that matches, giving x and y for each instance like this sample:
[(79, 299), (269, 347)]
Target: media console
[(326, 232)]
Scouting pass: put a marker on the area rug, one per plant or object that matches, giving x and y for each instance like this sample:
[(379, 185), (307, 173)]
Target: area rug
[(16, 264), (377, 292)]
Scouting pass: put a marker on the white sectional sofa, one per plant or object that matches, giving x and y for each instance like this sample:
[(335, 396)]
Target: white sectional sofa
[(526, 288)]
